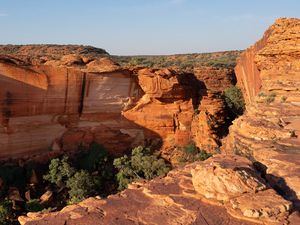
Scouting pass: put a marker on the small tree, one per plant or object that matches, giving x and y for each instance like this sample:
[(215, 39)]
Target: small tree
[(82, 185), (34, 205), (5, 212), (141, 165), (234, 100), (59, 171), (191, 154)]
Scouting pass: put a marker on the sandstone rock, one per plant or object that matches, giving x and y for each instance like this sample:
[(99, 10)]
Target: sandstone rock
[(265, 205), (223, 177), (169, 200), (56, 98), (268, 73), (46, 197)]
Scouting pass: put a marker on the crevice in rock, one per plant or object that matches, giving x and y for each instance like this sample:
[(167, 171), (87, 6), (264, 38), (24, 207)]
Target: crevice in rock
[(82, 94), (66, 91), (278, 184)]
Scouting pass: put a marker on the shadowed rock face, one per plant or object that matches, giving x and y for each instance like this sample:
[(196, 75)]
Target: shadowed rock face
[(269, 132)]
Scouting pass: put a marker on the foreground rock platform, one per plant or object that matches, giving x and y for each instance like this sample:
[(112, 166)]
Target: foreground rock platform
[(177, 199)]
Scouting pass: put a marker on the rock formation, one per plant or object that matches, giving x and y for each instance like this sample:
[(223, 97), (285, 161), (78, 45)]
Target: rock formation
[(269, 132), (63, 100), (187, 195), (56, 98), (255, 181)]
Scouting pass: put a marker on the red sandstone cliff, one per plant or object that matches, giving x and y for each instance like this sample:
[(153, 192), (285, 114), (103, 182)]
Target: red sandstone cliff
[(269, 132), (55, 98)]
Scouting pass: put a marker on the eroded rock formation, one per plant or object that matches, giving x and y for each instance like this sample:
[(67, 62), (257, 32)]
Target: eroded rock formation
[(56, 98), (269, 132), (63, 101)]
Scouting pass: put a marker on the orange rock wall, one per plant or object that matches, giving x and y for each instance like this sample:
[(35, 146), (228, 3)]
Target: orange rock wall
[(269, 131), (40, 104), (59, 104)]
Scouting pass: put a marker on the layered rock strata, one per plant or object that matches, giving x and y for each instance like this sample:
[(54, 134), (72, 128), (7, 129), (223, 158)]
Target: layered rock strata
[(56, 98), (269, 132)]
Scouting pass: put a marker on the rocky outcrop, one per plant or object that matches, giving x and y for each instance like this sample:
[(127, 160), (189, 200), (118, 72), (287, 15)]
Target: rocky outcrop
[(56, 98), (184, 196), (210, 124), (63, 101), (183, 107), (225, 177), (269, 132)]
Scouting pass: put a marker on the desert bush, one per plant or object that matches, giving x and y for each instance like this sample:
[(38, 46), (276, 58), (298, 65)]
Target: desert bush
[(270, 98), (59, 171), (81, 186), (283, 99), (34, 205), (6, 212), (142, 164), (234, 100), (91, 158), (190, 153)]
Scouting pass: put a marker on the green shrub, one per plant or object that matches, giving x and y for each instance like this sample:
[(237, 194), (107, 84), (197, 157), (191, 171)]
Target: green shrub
[(34, 205), (94, 158), (191, 154), (141, 165), (270, 98), (191, 149), (5, 212), (59, 171), (81, 186), (283, 99), (234, 100)]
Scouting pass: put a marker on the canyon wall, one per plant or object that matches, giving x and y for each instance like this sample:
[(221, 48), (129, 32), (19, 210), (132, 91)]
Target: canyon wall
[(269, 132), (54, 99), (59, 104)]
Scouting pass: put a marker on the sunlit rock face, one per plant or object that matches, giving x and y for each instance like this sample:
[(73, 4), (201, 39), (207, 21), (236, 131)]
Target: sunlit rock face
[(61, 103), (56, 98), (269, 75)]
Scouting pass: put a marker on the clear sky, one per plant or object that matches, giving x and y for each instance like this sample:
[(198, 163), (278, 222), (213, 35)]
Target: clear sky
[(129, 27)]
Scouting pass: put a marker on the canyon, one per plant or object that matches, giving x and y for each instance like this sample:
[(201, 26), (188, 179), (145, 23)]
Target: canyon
[(55, 99)]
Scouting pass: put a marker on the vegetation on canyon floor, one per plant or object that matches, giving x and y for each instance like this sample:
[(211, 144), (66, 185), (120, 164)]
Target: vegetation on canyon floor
[(182, 61), (142, 164), (91, 171), (234, 100)]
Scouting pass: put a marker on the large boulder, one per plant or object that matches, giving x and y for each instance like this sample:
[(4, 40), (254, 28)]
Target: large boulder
[(223, 177)]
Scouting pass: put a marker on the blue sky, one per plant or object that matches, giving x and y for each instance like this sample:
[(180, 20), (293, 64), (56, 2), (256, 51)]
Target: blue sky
[(129, 27)]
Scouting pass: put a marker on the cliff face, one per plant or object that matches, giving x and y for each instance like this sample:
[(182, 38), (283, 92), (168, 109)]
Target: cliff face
[(60, 104), (56, 98), (269, 132)]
